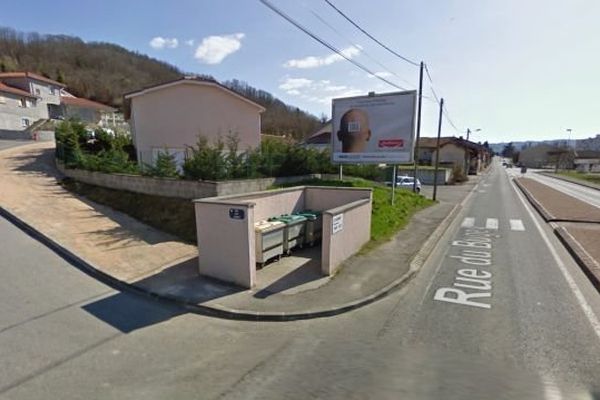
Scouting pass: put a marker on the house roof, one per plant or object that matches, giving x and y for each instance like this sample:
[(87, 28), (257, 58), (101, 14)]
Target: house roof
[(30, 75), (587, 154), (431, 142), (85, 103), (321, 138), (18, 92), (192, 80)]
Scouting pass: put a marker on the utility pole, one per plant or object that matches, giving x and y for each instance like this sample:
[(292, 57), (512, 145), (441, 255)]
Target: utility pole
[(416, 155), (437, 150)]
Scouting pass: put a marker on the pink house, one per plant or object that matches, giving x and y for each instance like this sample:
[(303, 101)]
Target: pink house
[(171, 116)]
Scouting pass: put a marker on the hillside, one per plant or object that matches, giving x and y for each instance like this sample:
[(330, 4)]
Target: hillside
[(105, 71)]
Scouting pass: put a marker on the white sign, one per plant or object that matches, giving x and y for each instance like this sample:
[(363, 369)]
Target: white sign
[(337, 223), (374, 129)]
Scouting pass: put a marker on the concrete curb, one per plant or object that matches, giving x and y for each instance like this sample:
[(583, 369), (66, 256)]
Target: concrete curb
[(589, 266), (229, 313), (570, 180)]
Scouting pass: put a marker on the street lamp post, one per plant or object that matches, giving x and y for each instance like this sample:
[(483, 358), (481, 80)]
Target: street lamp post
[(569, 137)]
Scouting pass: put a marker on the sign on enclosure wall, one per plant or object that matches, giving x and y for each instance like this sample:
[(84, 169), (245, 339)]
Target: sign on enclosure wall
[(374, 129)]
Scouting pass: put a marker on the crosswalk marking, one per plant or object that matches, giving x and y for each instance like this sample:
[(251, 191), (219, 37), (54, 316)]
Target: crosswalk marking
[(468, 222), (516, 225), (491, 223)]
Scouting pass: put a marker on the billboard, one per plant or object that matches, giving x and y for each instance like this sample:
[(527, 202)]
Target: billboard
[(375, 129)]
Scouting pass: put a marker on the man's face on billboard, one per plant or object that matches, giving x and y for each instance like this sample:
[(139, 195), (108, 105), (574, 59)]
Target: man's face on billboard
[(354, 131)]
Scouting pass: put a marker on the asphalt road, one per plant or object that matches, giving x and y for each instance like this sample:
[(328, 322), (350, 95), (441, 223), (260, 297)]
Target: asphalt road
[(589, 195), (532, 332), (7, 144)]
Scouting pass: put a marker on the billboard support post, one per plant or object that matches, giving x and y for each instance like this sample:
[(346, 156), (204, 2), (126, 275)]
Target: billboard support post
[(341, 172), (393, 183), (437, 150), (416, 156)]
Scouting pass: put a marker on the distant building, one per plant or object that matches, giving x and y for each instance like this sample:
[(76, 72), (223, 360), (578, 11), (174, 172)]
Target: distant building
[(587, 160), (454, 152), (537, 156), (170, 117), (28, 100), (321, 139)]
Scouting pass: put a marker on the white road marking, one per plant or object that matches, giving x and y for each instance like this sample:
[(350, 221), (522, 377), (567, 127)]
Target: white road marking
[(491, 223), (585, 306), (551, 390), (468, 222), (481, 191), (486, 184), (516, 225)]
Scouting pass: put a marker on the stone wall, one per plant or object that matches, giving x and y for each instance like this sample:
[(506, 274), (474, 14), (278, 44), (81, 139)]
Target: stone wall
[(179, 188)]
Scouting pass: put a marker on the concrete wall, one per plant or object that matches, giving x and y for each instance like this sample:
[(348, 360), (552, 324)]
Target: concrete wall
[(175, 187), (320, 198), (173, 117), (426, 176), (226, 244), (226, 248), (356, 232)]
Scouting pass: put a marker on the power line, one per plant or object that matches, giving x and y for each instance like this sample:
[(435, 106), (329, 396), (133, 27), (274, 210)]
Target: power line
[(326, 44), (369, 35), (361, 49)]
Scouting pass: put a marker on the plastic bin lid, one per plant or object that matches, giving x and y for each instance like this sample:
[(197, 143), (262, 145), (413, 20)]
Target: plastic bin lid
[(289, 219), (267, 225)]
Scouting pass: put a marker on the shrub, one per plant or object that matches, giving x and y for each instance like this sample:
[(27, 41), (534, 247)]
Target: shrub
[(165, 166), (458, 174)]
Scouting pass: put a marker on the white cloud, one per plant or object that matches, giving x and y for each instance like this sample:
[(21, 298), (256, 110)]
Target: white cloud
[(382, 74), (162, 43), (314, 62), (321, 91), (189, 42), (295, 83), (214, 49)]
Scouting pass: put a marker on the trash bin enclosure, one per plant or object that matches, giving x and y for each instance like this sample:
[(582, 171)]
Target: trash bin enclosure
[(234, 232)]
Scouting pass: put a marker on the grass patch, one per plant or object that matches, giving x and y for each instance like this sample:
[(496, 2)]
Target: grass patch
[(168, 214), (386, 219), (587, 177)]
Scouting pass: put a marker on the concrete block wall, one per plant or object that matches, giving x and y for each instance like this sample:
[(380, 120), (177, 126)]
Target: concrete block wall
[(179, 188)]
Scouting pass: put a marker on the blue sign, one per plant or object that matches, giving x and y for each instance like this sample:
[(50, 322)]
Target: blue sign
[(237, 213)]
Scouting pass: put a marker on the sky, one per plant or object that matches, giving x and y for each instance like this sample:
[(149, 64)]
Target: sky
[(516, 70)]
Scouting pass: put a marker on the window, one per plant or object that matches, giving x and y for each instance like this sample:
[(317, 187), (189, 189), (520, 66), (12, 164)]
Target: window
[(24, 122), (52, 90), (23, 102), (2, 99), (37, 91)]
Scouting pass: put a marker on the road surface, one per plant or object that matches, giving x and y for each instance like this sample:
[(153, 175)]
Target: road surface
[(587, 194), (531, 331)]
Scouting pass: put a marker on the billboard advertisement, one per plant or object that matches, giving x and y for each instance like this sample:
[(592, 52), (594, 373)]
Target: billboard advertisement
[(375, 129)]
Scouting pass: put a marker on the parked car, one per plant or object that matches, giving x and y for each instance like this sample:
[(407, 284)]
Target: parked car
[(407, 182)]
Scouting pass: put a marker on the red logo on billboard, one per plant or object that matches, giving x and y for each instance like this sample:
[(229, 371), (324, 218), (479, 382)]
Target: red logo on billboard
[(393, 143)]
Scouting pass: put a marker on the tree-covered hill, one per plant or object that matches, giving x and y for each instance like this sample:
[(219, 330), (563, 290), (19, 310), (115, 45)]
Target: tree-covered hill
[(105, 71)]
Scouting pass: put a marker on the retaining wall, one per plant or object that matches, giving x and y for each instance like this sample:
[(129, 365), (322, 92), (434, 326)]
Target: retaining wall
[(179, 188)]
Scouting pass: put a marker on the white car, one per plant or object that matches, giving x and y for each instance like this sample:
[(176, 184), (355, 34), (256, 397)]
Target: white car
[(407, 182)]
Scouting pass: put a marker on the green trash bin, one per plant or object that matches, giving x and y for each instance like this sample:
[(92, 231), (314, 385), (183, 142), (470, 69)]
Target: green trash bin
[(293, 235), (314, 226)]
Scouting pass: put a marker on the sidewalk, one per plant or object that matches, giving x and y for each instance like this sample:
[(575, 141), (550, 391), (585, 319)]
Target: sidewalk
[(575, 222), (131, 255)]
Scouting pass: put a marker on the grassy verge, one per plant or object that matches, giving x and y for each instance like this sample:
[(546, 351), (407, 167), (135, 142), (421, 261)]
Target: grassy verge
[(386, 219), (592, 178), (168, 214)]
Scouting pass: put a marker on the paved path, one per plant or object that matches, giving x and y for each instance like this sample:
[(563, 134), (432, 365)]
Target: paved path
[(583, 193), (7, 144), (100, 235)]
